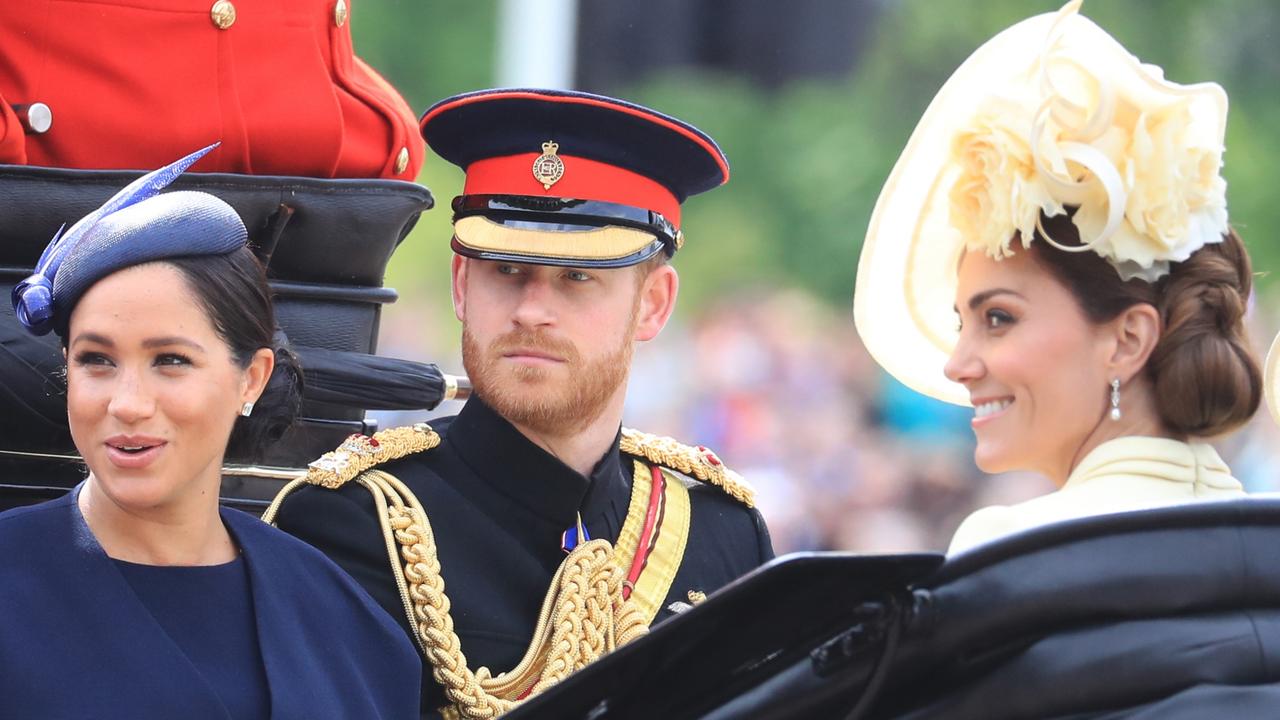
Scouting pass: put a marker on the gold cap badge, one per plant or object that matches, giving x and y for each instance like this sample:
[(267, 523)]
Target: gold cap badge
[(548, 168)]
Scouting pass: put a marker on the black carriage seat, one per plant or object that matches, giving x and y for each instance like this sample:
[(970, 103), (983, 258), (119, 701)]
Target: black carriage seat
[(1164, 613), (1170, 613), (326, 244)]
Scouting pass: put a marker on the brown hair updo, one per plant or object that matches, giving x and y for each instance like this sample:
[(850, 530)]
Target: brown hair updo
[(1203, 371)]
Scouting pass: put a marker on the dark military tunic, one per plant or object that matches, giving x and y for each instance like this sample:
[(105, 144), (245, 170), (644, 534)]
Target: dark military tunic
[(498, 505)]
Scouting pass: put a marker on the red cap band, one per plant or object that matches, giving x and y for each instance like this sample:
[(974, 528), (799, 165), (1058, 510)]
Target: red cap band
[(583, 179)]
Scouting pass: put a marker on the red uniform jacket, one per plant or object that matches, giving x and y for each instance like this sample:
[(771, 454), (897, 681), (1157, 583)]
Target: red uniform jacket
[(135, 83)]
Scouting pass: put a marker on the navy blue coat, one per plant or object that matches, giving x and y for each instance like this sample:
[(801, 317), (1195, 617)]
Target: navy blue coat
[(76, 642)]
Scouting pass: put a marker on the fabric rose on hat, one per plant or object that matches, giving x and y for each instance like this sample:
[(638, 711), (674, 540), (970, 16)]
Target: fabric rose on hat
[(1176, 197), (999, 191), (1138, 157)]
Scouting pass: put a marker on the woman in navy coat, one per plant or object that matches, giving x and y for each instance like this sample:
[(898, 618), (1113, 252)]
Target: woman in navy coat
[(136, 595)]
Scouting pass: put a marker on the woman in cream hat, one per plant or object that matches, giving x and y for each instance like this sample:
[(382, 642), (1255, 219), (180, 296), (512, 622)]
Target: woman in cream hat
[(1052, 248)]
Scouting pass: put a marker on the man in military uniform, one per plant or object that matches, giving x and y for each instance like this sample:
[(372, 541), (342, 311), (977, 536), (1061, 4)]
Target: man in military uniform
[(531, 533)]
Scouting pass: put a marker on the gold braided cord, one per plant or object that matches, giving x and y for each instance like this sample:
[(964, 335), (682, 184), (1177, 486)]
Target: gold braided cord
[(696, 462), (390, 504), (269, 515), (336, 468), (583, 615)]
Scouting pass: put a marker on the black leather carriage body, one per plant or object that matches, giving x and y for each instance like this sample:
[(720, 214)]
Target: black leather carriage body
[(1171, 613)]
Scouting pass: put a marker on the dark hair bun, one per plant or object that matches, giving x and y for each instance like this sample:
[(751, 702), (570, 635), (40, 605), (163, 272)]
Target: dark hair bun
[(1203, 370), (273, 413)]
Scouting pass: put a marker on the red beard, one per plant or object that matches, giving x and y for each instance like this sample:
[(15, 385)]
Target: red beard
[(549, 400)]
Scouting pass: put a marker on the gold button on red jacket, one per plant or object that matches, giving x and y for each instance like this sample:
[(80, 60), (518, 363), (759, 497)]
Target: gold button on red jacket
[(134, 84)]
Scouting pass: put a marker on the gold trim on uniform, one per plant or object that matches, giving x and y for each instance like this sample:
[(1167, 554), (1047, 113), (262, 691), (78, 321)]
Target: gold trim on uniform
[(698, 462), (607, 243), (660, 567), (583, 615), (361, 452)]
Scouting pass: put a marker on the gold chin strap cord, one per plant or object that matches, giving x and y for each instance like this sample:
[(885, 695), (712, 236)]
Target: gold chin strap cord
[(583, 615)]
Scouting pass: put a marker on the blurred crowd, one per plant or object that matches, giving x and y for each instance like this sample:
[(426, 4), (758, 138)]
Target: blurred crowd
[(842, 456)]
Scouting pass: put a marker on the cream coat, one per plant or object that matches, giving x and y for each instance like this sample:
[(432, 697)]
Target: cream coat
[(1129, 473)]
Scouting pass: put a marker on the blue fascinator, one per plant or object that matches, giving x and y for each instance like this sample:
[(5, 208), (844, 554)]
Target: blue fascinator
[(136, 226)]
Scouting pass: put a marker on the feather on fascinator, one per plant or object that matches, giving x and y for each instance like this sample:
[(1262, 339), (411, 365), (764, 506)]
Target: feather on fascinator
[(137, 225), (1051, 113)]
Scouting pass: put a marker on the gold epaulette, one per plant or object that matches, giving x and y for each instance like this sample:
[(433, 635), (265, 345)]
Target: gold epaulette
[(359, 453), (697, 462)]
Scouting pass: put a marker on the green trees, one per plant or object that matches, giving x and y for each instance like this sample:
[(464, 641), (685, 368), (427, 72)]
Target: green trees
[(808, 159)]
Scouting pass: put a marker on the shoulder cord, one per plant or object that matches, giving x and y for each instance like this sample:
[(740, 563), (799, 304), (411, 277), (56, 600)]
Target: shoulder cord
[(697, 462), (584, 614)]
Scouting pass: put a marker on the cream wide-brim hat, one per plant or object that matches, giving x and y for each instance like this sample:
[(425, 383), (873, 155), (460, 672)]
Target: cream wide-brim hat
[(906, 282), (1270, 378)]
